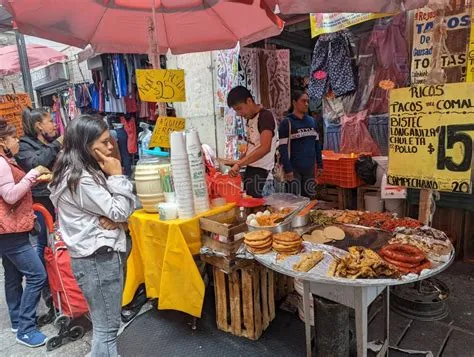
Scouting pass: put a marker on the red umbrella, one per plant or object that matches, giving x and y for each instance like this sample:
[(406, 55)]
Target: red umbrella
[(361, 6), (182, 26), (37, 56)]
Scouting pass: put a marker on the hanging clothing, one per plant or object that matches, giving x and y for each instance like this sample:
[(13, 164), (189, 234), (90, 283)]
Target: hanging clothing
[(331, 67), (112, 104), (144, 111), (57, 117), (131, 129), (94, 92), (120, 76), (131, 101), (389, 43), (378, 129), (72, 109)]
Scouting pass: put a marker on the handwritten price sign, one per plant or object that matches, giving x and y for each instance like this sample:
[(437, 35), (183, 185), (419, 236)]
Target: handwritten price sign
[(11, 108), (161, 85), (164, 126), (431, 137)]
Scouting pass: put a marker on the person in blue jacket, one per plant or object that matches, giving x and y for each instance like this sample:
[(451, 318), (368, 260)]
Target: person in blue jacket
[(300, 150)]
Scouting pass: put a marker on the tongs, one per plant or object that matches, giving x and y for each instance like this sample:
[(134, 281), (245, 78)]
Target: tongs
[(289, 217)]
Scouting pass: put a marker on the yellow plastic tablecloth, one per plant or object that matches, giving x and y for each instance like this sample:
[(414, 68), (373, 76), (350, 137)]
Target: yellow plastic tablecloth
[(162, 258)]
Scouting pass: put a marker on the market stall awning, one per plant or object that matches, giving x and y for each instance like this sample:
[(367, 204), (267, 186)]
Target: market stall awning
[(38, 56), (121, 26), (361, 6)]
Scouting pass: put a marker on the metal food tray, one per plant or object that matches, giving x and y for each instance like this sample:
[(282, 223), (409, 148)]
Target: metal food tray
[(319, 273)]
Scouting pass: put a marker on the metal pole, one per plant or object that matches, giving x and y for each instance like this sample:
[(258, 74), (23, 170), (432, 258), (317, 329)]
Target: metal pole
[(24, 65)]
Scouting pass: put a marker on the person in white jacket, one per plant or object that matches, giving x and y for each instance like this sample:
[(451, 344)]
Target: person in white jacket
[(87, 185)]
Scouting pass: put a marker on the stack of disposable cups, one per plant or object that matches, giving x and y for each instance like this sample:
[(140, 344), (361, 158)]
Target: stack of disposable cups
[(198, 172), (181, 175)]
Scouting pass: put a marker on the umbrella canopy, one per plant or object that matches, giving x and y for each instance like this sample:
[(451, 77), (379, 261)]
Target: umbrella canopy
[(121, 26), (37, 56), (361, 6)]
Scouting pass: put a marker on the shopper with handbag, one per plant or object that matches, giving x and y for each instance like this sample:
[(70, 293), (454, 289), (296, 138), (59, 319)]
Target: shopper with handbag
[(300, 148)]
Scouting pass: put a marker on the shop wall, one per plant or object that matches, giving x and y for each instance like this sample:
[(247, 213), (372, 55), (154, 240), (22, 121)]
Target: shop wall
[(199, 108), (75, 68)]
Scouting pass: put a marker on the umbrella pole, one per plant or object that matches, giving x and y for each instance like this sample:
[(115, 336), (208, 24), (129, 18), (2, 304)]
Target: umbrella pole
[(24, 64), (154, 54)]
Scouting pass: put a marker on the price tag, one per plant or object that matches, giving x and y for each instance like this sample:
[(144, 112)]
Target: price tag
[(161, 85), (164, 126), (431, 137)]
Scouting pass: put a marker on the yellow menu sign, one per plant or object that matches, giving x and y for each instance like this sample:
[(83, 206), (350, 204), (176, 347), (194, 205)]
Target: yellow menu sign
[(161, 85), (470, 53), (332, 22), (164, 126), (431, 137)]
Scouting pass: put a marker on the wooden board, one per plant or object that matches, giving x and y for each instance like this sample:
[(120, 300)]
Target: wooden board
[(223, 224), (229, 249)]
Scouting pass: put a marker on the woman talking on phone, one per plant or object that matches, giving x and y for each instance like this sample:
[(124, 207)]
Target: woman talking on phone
[(87, 185)]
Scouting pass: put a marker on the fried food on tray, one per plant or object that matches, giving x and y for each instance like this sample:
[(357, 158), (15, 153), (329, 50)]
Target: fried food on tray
[(362, 263), (349, 217), (308, 261), (258, 242), (288, 243), (269, 220)]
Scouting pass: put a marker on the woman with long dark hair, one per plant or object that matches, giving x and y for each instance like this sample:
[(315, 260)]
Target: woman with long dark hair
[(88, 184), (300, 148), (18, 257), (40, 146)]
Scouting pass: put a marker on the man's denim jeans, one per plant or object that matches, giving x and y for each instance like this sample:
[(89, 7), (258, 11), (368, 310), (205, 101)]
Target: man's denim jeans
[(18, 261), (100, 278)]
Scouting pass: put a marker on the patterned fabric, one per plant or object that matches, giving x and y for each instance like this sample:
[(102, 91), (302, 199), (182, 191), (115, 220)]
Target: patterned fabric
[(332, 138), (275, 81), (227, 69), (378, 129), (391, 49), (331, 67), (248, 71), (366, 63)]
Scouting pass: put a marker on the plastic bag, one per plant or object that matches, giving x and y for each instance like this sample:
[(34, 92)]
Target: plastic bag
[(144, 141), (355, 137), (366, 169)]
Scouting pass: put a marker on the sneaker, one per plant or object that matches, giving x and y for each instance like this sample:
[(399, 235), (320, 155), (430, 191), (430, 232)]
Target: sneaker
[(34, 338), (14, 329)]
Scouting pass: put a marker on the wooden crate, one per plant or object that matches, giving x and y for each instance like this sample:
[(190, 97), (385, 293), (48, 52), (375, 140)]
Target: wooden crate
[(342, 197), (226, 264), (223, 225), (284, 286), (245, 302)]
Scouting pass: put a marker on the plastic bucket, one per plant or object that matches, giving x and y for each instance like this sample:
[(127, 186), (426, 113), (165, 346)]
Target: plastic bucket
[(373, 202), (395, 206)]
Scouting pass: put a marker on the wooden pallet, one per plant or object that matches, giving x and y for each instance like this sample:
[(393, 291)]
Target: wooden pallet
[(245, 302), (342, 197)]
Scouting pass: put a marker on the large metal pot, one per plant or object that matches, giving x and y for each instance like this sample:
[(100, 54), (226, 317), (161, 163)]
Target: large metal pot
[(284, 227), (300, 221)]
